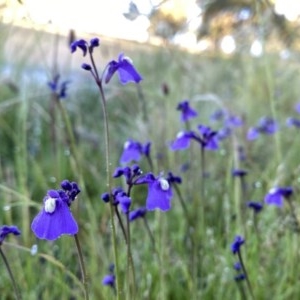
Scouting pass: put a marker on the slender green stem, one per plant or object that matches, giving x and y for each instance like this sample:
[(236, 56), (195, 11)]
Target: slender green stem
[(246, 274), (130, 264), (149, 233), (16, 290), (121, 223), (82, 267), (108, 182), (182, 203), (242, 290)]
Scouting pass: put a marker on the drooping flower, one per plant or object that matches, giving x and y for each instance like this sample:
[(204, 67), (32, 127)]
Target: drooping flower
[(240, 277), (59, 88), (125, 68), (137, 213), (237, 243), (85, 46), (266, 125), (124, 201), (256, 206), (239, 173), (159, 192), (208, 138), (173, 178), (109, 280), (186, 111), (293, 122), (133, 151), (5, 230), (277, 194), (55, 218)]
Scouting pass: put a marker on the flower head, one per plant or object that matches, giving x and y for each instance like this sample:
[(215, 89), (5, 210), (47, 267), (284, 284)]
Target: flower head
[(173, 178), (277, 194), (126, 70), (208, 138), (137, 213), (55, 218), (293, 122), (85, 46), (182, 140), (186, 111), (237, 243), (132, 151), (265, 125), (59, 88), (159, 192), (5, 230), (109, 280), (239, 173), (256, 206)]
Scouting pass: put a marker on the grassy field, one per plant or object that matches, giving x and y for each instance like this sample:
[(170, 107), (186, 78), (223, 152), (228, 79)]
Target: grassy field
[(192, 256)]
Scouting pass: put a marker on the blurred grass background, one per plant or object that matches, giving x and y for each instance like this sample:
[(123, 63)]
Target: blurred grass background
[(29, 167)]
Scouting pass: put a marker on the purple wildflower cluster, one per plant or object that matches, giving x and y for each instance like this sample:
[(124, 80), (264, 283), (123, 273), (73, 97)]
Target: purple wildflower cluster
[(56, 219), (123, 66)]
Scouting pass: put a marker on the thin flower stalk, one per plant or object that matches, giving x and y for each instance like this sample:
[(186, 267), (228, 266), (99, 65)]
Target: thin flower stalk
[(82, 267), (15, 287)]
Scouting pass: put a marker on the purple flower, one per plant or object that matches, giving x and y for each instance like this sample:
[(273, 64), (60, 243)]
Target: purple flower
[(293, 122), (59, 89), (208, 138), (239, 173), (237, 266), (147, 149), (124, 201), (159, 192), (252, 134), (71, 189), (237, 243), (109, 280), (240, 277), (186, 111), (126, 70), (277, 194), (132, 151), (234, 121), (173, 179), (265, 125), (217, 115), (5, 230), (182, 141), (256, 206), (55, 218), (105, 197), (84, 46), (137, 213)]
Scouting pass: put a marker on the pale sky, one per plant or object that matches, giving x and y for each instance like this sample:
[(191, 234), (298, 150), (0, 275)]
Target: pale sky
[(106, 17)]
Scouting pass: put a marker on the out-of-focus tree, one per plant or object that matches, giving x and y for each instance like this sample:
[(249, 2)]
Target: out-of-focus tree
[(257, 17), (243, 19)]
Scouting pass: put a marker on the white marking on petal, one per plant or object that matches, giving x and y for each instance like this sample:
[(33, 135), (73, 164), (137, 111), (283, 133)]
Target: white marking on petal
[(180, 134), (126, 144), (128, 59), (273, 190), (50, 205), (164, 184)]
